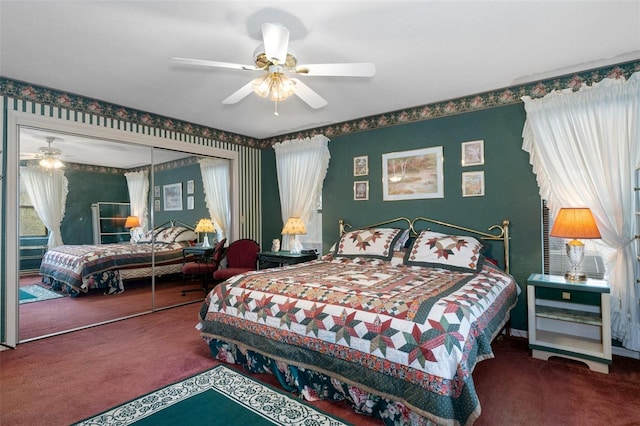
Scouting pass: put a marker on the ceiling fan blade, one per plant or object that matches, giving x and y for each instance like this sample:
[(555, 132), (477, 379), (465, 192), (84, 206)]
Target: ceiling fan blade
[(339, 70), (276, 42), (305, 93), (240, 94), (216, 64)]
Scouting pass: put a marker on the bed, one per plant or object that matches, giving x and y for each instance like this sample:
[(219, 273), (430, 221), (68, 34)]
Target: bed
[(391, 320), (77, 269)]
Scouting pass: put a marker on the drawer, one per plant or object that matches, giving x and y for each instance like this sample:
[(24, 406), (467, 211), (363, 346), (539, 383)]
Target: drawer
[(572, 296)]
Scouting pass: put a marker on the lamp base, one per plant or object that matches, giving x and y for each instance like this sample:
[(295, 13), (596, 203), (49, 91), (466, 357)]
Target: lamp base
[(205, 242), (575, 276)]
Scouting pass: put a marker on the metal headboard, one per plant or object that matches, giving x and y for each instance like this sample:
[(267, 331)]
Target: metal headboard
[(496, 232)]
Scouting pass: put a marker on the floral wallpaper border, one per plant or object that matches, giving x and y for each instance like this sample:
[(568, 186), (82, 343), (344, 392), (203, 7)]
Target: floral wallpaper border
[(510, 95)]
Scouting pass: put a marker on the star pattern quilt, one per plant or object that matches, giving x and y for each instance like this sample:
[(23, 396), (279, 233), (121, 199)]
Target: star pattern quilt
[(410, 334)]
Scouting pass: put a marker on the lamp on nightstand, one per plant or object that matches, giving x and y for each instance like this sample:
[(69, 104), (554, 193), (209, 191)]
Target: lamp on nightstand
[(205, 225), (575, 223), (294, 226), (133, 223)]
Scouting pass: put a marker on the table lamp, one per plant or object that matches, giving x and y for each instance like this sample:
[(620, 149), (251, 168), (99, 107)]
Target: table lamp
[(133, 223), (294, 226), (205, 225), (575, 223)]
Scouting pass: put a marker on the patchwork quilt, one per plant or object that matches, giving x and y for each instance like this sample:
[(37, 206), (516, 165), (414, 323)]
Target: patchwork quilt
[(409, 334), (83, 267)]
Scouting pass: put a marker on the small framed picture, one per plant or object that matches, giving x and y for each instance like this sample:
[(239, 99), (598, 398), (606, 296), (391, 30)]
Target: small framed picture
[(361, 190), (190, 187), (473, 153), (472, 184), (361, 165), (156, 205), (190, 202), (156, 191)]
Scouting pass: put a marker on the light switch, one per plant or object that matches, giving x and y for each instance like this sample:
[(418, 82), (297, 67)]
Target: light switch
[(566, 295)]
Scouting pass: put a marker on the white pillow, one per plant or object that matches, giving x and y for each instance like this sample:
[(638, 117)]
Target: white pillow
[(372, 242)]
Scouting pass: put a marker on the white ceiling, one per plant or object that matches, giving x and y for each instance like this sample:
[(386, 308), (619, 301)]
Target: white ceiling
[(424, 52)]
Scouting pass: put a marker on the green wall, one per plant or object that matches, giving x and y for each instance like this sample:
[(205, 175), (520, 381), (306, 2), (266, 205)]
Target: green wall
[(510, 186), (86, 187)]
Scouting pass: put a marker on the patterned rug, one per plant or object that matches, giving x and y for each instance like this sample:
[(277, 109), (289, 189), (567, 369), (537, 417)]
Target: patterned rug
[(219, 396), (35, 293)]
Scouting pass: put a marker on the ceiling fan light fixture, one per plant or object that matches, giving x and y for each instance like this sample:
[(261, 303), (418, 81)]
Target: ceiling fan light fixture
[(50, 162), (275, 86)]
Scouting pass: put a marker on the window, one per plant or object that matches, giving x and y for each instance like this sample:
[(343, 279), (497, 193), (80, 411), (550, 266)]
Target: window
[(30, 223)]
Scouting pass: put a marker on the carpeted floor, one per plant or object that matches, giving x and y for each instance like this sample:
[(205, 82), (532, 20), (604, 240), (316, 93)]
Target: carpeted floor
[(239, 400)]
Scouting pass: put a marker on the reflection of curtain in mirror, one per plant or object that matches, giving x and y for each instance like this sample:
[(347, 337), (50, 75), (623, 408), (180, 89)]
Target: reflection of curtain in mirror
[(302, 166), (138, 184), (216, 182), (47, 190)]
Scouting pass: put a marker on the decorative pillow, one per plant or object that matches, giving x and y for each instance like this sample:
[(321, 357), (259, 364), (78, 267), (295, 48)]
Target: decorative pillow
[(456, 253), (373, 242), (147, 237), (174, 233)]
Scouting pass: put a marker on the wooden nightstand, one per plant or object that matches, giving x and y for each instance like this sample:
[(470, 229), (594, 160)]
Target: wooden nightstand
[(270, 259), (570, 319)]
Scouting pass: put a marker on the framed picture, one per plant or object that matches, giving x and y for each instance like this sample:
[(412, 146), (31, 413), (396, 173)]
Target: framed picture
[(172, 195), (473, 153), (411, 175), (361, 190), (361, 165), (156, 191), (156, 205), (190, 202), (190, 187), (472, 184)]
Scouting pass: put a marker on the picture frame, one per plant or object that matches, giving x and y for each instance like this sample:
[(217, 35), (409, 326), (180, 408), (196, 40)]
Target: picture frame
[(473, 184), (190, 202), (412, 175), (156, 191), (361, 190), (361, 165), (190, 187), (172, 197), (472, 153), (156, 204)]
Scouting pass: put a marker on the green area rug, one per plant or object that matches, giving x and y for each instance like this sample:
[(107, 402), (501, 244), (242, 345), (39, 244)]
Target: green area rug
[(219, 396), (35, 293)]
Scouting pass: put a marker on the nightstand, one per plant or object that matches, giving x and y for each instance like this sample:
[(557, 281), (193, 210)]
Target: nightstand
[(570, 319), (270, 259), (200, 265)]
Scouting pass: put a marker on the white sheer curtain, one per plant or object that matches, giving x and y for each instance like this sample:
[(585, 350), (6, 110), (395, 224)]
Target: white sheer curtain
[(48, 192), (138, 184), (584, 147), (302, 166), (216, 181)]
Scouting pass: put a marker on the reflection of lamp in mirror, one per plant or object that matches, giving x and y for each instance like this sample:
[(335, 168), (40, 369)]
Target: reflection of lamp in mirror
[(575, 223), (205, 225), (133, 223), (294, 226)]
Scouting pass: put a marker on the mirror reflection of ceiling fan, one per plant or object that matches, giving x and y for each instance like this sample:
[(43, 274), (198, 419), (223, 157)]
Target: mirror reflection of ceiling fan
[(275, 57), (48, 155)]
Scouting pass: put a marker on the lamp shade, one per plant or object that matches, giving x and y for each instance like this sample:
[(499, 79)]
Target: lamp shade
[(294, 226), (575, 223), (132, 222), (205, 225)]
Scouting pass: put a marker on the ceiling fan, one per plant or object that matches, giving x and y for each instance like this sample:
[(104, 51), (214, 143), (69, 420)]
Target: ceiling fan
[(275, 57), (49, 156)]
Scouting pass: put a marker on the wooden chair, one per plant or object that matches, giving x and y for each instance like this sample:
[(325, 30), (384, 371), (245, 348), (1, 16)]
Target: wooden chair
[(242, 256), (204, 268)]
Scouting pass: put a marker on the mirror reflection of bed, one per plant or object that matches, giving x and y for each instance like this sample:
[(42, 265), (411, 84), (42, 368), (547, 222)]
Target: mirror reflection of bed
[(99, 180)]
